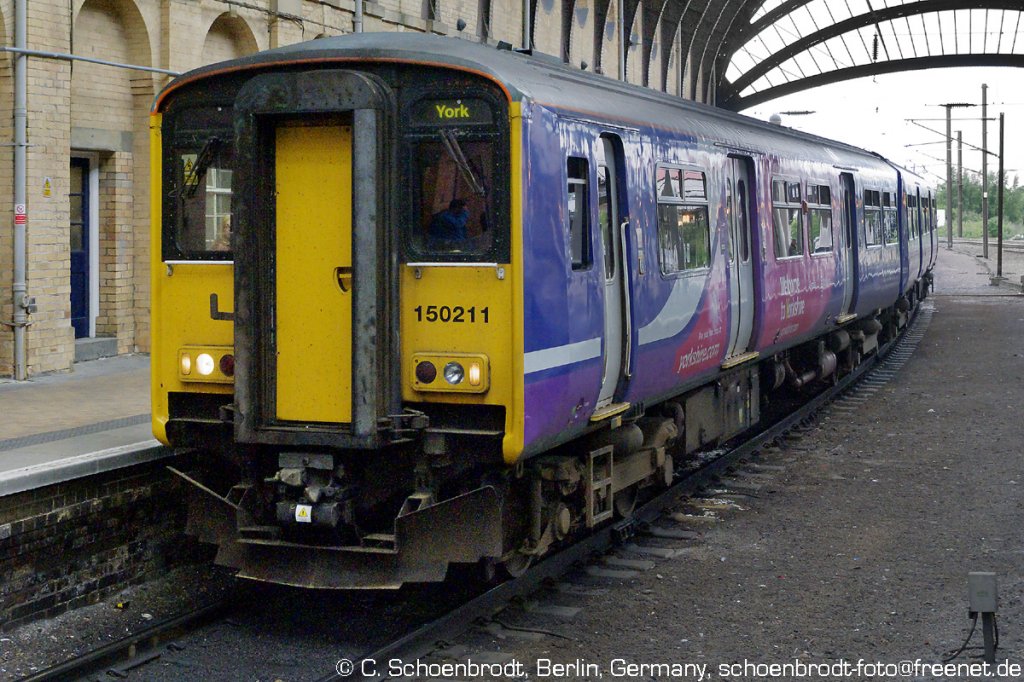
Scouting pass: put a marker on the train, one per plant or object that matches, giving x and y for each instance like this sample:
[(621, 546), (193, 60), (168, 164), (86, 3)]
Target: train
[(422, 303)]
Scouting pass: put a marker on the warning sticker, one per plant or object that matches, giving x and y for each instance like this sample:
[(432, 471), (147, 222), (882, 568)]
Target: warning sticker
[(303, 513), (19, 214), (47, 187), (189, 169)]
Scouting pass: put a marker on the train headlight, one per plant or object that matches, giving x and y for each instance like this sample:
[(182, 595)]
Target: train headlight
[(454, 373), (204, 364), (462, 372)]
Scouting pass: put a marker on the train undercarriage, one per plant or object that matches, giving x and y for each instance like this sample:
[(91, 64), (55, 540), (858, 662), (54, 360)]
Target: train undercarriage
[(441, 494)]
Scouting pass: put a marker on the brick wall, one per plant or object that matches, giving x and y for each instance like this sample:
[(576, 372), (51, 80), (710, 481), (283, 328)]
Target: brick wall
[(73, 543), (69, 104)]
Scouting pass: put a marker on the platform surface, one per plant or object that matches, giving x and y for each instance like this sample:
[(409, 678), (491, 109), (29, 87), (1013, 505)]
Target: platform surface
[(60, 426)]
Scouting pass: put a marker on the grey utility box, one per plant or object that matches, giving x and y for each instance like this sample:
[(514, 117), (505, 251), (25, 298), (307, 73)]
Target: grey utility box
[(981, 592)]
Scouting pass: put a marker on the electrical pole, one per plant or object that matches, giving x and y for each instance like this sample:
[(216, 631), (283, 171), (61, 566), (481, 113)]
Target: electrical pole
[(984, 170), (960, 183), (949, 176), (1002, 181)]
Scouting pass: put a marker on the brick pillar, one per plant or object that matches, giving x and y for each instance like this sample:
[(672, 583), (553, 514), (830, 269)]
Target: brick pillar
[(50, 338), (116, 241), (136, 336)]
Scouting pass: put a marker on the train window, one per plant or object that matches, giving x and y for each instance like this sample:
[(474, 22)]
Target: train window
[(786, 218), (890, 227), (198, 167), (872, 217), (730, 213), (694, 188), (454, 181), (578, 213), (684, 232), (743, 221), (669, 183), (819, 199), (913, 224), (606, 219)]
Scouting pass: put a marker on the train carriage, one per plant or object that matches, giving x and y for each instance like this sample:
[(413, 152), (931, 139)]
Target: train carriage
[(475, 302)]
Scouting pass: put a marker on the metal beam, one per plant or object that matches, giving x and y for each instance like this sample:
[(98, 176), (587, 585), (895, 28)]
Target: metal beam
[(670, 30), (653, 11), (600, 20), (848, 26), (729, 100), (708, 56)]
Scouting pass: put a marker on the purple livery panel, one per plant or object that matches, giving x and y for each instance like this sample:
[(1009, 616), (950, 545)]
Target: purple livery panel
[(680, 323)]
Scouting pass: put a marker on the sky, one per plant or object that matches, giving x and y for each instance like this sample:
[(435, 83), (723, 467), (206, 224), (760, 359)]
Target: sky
[(872, 113)]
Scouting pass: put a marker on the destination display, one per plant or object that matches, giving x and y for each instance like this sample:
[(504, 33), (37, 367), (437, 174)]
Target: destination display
[(452, 112)]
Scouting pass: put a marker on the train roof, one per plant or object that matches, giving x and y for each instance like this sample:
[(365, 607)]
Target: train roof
[(547, 81)]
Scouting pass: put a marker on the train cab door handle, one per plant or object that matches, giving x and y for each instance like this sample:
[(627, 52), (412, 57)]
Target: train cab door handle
[(343, 276)]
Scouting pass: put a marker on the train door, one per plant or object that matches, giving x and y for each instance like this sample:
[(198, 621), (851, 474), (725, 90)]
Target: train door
[(916, 224), (741, 268), (616, 305), (313, 283), (848, 234)]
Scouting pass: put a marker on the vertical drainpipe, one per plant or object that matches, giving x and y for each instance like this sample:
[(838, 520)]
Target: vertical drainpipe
[(20, 144), (358, 22), (527, 43)]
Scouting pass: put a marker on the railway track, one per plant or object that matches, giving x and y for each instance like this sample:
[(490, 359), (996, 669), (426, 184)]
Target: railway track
[(424, 640), (130, 657)]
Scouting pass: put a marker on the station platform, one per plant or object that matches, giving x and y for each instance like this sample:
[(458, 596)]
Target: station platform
[(62, 426)]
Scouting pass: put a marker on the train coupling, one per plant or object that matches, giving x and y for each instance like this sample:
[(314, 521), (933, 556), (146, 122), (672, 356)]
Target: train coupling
[(415, 551)]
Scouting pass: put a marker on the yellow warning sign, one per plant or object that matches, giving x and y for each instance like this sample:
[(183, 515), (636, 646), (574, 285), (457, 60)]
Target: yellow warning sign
[(47, 187), (189, 167)]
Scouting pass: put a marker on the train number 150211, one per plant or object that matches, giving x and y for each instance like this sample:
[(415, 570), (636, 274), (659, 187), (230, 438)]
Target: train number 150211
[(453, 313)]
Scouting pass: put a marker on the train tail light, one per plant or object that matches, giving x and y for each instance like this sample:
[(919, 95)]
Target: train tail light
[(206, 364), (462, 372)]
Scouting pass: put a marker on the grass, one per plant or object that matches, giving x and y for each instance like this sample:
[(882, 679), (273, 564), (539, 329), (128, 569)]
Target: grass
[(972, 228)]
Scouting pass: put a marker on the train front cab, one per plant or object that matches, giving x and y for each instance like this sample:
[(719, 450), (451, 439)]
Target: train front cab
[(361, 347)]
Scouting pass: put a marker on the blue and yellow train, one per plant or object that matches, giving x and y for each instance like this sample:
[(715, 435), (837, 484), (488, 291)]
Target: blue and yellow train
[(421, 302)]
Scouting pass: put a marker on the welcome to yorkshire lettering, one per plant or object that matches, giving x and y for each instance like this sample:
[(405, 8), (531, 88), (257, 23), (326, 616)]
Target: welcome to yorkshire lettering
[(446, 112)]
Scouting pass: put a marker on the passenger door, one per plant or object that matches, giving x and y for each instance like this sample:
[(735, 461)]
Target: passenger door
[(741, 268), (313, 283), (616, 297)]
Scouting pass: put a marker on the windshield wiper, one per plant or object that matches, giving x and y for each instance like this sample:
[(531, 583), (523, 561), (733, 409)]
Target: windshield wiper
[(451, 145)]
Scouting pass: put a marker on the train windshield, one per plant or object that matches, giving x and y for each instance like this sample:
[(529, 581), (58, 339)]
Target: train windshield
[(454, 159), (455, 201), (198, 172)]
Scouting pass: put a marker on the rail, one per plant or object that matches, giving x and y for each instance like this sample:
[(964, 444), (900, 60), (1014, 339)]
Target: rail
[(422, 641)]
